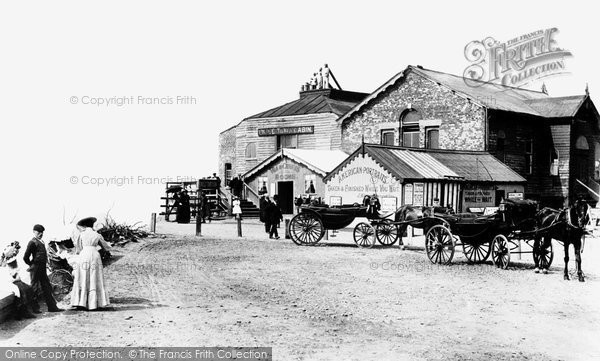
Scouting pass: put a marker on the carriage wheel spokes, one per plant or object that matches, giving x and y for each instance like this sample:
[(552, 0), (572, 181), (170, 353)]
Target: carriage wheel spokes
[(439, 244), (364, 235), (476, 253), (306, 229), (545, 257), (387, 233), (501, 251)]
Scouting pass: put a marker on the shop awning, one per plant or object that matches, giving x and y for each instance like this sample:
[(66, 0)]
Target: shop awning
[(436, 164)]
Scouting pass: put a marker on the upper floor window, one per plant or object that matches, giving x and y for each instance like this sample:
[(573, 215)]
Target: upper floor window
[(387, 137), (409, 125), (227, 173), (433, 138), (251, 151), (582, 143), (287, 141), (500, 145)]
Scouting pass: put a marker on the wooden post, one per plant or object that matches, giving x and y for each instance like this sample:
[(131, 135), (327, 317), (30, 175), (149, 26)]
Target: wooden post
[(153, 223), (198, 212), (239, 224)]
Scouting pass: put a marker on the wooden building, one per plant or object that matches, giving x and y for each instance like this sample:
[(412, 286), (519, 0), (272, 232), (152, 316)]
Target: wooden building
[(462, 180), (552, 142), (309, 122), (291, 173)]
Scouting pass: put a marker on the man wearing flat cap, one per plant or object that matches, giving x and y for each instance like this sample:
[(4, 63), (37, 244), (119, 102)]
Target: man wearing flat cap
[(36, 257)]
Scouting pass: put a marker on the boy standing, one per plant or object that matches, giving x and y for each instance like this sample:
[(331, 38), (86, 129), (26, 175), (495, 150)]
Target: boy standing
[(36, 257)]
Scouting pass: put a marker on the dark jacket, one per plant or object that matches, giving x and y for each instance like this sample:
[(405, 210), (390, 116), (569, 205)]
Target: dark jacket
[(262, 206), (273, 213), (35, 254)]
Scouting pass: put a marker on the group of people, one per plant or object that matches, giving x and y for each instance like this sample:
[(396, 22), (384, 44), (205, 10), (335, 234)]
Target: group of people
[(83, 260), (270, 214), (236, 185), (319, 80)]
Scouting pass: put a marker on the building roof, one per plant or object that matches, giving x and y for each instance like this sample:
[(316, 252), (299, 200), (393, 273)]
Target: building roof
[(489, 95), (436, 164), (319, 161), (316, 101)]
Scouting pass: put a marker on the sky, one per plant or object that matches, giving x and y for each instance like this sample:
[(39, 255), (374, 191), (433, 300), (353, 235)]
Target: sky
[(81, 83)]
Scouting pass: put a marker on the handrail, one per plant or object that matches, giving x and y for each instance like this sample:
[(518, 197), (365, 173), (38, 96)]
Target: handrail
[(255, 197)]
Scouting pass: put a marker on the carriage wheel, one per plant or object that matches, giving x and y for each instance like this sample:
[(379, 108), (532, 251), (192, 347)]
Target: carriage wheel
[(501, 251), (545, 258), (306, 229), (364, 235), (439, 244), (476, 253), (387, 233), (62, 283)]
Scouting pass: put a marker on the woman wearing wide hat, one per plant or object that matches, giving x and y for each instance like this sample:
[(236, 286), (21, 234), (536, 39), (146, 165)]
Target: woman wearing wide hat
[(89, 290)]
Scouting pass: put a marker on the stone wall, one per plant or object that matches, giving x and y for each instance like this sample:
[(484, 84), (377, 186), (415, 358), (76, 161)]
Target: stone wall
[(461, 122)]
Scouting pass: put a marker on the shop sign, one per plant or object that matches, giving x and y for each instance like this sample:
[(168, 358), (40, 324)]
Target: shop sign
[(266, 132)]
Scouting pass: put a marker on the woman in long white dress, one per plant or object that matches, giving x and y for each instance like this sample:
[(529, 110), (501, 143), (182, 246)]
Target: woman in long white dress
[(89, 289)]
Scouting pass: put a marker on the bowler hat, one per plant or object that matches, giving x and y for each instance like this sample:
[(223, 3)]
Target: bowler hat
[(87, 222), (39, 228)]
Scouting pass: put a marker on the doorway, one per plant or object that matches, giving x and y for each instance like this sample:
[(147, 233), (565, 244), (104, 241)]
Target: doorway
[(285, 191)]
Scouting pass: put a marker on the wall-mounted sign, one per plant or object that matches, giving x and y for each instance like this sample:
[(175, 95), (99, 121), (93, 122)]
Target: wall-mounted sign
[(479, 197), (266, 132), (515, 195), (408, 194), (335, 201), (419, 194), (388, 204)]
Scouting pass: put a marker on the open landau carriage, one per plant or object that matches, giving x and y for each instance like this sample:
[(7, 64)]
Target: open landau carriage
[(499, 234)]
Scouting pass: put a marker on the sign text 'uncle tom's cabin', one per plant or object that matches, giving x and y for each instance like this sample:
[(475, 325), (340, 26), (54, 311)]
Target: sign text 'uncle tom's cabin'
[(265, 132)]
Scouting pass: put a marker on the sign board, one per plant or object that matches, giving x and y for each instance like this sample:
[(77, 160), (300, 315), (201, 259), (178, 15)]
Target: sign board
[(266, 132), (408, 194), (488, 211), (515, 195), (388, 204), (361, 177), (335, 201), (208, 183), (479, 197), (419, 194)]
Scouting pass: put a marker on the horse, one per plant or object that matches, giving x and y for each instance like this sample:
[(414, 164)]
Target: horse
[(566, 225)]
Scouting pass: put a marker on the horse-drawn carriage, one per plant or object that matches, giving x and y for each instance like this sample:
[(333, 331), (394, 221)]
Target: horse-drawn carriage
[(499, 235)]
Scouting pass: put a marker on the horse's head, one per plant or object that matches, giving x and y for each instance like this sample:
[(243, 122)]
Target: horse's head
[(578, 213)]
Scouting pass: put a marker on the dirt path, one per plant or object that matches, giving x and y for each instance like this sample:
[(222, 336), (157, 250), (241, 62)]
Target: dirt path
[(326, 303)]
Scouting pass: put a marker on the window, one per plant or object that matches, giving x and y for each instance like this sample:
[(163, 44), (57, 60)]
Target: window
[(582, 143), (387, 137), (287, 141), (251, 151), (553, 161), (309, 184), (227, 172), (409, 126), (529, 156), (262, 185), (433, 138)]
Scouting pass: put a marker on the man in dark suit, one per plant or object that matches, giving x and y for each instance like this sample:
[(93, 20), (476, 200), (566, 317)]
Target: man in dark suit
[(36, 257)]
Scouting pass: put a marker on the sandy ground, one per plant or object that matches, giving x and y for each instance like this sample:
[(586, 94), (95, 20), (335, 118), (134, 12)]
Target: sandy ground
[(329, 302)]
